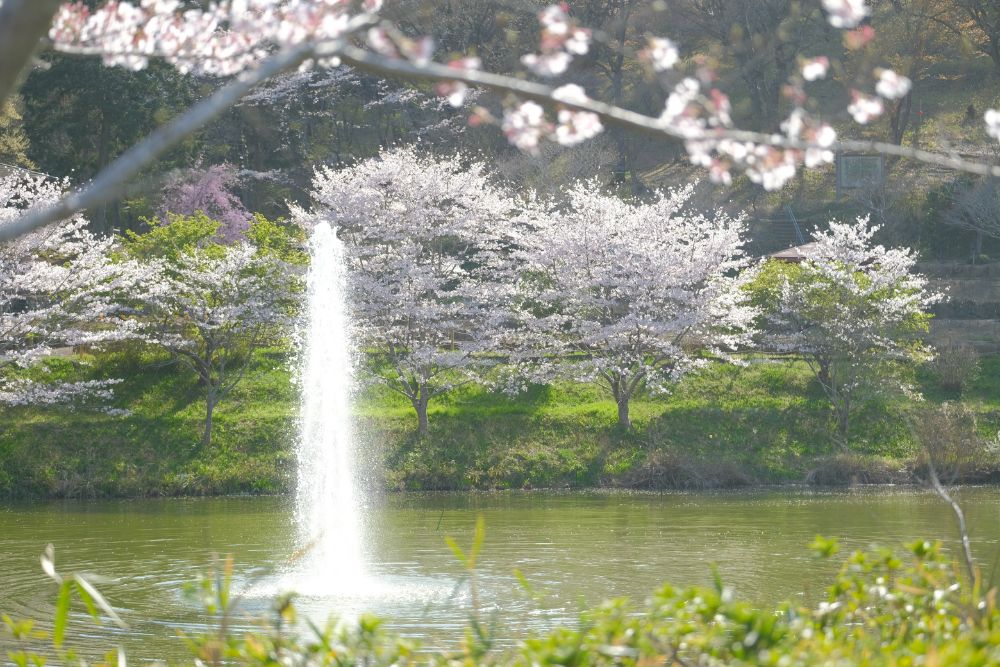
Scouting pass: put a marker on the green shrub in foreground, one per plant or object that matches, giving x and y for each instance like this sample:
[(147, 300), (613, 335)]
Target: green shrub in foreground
[(882, 609)]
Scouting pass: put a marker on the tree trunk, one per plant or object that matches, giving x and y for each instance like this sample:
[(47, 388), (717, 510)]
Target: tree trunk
[(420, 405), (899, 119), (840, 402), (843, 410), (103, 157), (623, 418), (210, 401), (844, 426), (824, 375)]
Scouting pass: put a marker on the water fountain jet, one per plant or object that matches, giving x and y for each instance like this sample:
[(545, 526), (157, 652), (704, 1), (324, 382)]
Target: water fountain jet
[(328, 506), (331, 507)]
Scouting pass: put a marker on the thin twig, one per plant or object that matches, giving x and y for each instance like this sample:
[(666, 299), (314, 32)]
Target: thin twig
[(963, 530)]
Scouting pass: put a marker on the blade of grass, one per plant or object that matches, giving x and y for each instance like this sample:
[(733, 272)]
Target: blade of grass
[(61, 618)]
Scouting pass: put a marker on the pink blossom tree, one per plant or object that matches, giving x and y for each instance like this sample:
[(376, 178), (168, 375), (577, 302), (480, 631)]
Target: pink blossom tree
[(423, 238), (629, 294), (209, 190)]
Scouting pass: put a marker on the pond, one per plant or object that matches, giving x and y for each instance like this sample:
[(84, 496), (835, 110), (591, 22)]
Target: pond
[(574, 548)]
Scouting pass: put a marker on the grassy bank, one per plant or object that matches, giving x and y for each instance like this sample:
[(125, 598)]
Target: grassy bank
[(727, 426)]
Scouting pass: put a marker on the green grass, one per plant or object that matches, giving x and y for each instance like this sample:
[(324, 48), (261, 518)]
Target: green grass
[(765, 422), (156, 450)]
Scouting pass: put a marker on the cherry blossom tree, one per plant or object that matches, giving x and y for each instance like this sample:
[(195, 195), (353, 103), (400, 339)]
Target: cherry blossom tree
[(424, 236), (853, 309), (57, 288), (212, 306), (629, 294), (976, 208), (253, 40)]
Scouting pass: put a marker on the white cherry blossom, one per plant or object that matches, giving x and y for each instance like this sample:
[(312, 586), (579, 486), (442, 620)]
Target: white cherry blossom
[(525, 125), (892, 86), (662, 53), (219, 38), (815, 69), (864, 108), (846, 13), (561, 39), (851, 309), (618, 292), (212, 309), (992, 119), (58, 288), (425, 238), (547, 64), (575, 126)]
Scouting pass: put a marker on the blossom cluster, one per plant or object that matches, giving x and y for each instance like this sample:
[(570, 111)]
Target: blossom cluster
[(207, 297), (846, 13), (625, 288), (851, 307), (992, 118), (561, 40), (770, 166), (64, 286), (662, 53), (210, 190), (526, 125), (220, 38)]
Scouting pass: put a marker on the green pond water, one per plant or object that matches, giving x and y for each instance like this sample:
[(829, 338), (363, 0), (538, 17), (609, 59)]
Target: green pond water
[(575, 548)]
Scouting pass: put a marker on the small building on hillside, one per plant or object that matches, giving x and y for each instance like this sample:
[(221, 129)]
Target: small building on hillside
[(793, 255)]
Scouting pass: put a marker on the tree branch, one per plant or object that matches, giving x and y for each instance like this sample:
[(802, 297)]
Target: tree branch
[(23, 23), (385, 66)]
